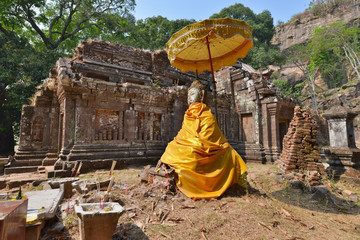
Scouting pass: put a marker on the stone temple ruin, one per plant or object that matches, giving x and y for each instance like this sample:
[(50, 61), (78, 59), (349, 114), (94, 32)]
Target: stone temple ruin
[(111, 102)]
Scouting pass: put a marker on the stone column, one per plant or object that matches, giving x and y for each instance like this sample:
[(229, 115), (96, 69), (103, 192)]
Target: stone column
[(68, 129), (27, 114), (83, 127), (130, 125), (274, 121), (273, 148), (53, 152), (266, 137)]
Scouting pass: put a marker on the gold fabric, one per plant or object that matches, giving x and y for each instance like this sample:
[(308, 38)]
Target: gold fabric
[(205, 163), (229, 40)]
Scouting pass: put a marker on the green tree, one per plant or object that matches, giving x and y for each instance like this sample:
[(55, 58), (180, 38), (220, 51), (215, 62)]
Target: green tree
[(21, 69), (333, 46), (55, 21), (300, 56), (152, 33)]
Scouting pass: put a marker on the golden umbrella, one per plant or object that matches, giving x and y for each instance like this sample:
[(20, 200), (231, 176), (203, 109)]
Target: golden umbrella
[(209, 45)]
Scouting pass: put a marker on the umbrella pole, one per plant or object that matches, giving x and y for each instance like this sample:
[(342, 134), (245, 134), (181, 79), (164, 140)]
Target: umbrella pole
[(213, 77)]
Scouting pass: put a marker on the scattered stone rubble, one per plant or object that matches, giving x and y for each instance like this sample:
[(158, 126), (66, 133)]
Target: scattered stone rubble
[(300, 151)]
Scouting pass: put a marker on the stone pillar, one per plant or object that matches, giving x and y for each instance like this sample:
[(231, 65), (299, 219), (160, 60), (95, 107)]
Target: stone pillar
[(178, 115), (68, 128), (83, 122), (130, 125), (272, 148), (27, 114), (53, 152), (274, 121), (265, 124)]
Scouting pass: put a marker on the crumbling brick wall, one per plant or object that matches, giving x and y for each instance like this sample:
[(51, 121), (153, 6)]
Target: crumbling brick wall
[(300, 151)]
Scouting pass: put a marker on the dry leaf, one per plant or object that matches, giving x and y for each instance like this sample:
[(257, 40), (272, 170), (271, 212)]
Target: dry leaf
[(282, 230), (264, 225), (285, 212)]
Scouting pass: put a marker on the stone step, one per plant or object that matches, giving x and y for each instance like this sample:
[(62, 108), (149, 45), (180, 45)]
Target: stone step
[(25, 169), (58, 173), (49, 162), (26, 163), (41, 169)]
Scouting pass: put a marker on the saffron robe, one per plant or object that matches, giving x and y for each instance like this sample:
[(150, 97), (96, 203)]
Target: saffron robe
[(205, 163)]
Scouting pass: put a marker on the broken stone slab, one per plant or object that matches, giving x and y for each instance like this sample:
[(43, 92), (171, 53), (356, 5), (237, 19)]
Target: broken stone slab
[(98, 223), (45, 203), (86, 185), (4, 196), (68, 188)]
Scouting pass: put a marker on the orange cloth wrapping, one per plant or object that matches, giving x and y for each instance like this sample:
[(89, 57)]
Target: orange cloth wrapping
[(205, 163)]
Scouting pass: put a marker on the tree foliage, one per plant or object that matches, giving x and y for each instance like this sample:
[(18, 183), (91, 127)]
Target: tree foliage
[(299, 55), (332, 49), (152, 33), (21, 69), (55, 21)]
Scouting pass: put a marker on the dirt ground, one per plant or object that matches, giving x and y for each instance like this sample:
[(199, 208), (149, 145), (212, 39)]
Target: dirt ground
[(271, 210)]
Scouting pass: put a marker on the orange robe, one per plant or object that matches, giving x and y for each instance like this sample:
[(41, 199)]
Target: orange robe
[(205, 163)]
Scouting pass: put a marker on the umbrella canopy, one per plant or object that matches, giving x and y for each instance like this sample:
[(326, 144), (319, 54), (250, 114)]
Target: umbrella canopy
[(209, 44)]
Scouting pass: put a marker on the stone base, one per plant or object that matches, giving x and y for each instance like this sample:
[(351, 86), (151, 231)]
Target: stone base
[(343, 162), (135, 150), (251, 152), (342, 157), (271, 155), (95, 223)]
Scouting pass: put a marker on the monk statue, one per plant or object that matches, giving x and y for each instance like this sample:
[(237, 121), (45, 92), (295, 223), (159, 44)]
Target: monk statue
[(204, 162)]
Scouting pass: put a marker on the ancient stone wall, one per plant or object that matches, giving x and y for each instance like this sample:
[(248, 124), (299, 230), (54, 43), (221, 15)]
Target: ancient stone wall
[(262, 115), (108, 102)]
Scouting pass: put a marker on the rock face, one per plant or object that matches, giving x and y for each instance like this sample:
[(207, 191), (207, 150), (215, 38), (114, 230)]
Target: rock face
[(300, 151), (300, 28)]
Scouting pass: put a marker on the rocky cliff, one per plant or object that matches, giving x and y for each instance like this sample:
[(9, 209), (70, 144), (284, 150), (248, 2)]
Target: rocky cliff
[(299, 28)]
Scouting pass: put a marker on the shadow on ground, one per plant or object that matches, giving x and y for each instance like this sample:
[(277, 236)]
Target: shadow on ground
[(316, 199), (129, 231)]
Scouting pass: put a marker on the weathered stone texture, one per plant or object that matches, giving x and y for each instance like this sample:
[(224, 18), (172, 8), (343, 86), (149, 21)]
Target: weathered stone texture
[(111, 102), (343, 156), (299, 30), (261, 114), (300, 151), (108, 102)]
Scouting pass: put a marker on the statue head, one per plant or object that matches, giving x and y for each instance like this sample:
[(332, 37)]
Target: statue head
[(196, 92)]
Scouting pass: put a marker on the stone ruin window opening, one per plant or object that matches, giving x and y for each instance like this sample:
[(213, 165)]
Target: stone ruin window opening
[(109, 125), (148, 126), (97, 76)]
